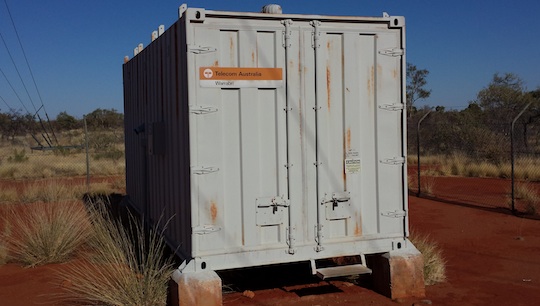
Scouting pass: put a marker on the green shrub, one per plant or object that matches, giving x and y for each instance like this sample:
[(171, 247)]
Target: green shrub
[(18, 156)]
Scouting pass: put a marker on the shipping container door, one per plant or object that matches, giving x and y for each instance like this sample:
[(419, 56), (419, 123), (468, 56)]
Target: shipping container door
[(239, 155), (359, 134)]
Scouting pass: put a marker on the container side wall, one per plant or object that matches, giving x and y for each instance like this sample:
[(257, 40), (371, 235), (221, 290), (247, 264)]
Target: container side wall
[(157, 159)]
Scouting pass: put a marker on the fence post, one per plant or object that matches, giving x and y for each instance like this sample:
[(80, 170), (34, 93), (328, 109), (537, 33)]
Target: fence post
[(418, 149), (512, 153), (87, 155)]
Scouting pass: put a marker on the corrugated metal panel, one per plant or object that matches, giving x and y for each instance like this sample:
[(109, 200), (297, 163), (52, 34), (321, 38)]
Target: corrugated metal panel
[(158, 159), (260, 172)]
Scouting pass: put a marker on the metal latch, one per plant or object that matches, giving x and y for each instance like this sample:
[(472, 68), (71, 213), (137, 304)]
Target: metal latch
[(203, 170), (394, 161), (338, 206), (273, 202), (202, 110), (394, 214), (200, 49), (205, 229), (392, 52), (338, 197), (270, 210), (392, 107)]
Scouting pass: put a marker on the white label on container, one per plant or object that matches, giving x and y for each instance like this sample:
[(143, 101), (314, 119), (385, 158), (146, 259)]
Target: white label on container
[(352, 162)]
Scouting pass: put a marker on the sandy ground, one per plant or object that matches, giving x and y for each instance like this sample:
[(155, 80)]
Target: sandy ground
[(493, 259)]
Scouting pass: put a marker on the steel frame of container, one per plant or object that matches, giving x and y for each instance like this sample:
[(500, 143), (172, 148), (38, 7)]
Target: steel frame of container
[(269, 138)]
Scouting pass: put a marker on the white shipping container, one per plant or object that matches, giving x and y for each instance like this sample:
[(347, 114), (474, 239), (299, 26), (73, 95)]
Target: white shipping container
[(270, 138)]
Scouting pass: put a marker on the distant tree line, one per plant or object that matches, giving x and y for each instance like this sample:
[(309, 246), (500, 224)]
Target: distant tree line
[(14, 123), (483, 129)]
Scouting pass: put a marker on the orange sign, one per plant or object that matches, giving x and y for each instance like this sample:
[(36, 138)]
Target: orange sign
[(234, 77)]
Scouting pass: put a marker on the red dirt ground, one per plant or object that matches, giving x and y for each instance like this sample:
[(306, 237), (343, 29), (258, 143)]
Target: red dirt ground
[(493, 259)]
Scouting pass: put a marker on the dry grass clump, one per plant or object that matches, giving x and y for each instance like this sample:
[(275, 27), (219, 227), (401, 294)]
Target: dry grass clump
[(527, 194), (428, 184), (45, 233), (126, 268), (47, 164), (8, 195), (58, 191), (47, 192), (4, 234), (434, 263)]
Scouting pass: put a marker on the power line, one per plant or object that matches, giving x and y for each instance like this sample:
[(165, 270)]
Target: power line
[(9, 107), (18, 73), (33, 78), (14, 91)]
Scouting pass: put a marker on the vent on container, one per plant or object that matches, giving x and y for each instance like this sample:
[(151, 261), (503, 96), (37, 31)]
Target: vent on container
[(272, 9)]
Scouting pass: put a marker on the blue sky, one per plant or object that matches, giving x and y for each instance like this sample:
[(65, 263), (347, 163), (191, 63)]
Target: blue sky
[(76, 48)]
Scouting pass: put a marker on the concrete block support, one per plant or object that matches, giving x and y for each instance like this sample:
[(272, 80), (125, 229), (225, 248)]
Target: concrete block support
[(195, 289), (399, 274)]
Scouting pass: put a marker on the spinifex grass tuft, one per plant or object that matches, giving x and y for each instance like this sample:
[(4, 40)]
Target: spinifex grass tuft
[(434, 263), (45, 233), (127, 266)]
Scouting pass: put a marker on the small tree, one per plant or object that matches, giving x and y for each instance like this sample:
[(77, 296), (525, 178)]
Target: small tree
[(416, 82), (66, 122), (105, 119)]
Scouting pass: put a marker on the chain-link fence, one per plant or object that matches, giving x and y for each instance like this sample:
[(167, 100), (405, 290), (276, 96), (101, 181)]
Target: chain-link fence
[(464, 158), (77, 154)]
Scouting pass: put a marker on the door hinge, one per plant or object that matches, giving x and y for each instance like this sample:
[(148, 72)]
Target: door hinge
[(392, 107), (202, 110), (200, 49), (290, 240), (392, 52), (205, 229), (203, 170), (394, 214), (316, 34), (287, 33), (394, 161)]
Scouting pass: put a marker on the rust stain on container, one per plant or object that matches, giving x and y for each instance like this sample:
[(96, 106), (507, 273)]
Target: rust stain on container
[(328, 82), (213, 211), (371, 80), (348, 139), (395, 73), (253, 57), (216, 63), (358, 226)]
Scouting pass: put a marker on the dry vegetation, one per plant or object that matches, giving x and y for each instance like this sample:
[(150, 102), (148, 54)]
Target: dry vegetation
[(527, 174), (526, 168), (434, 263), (125, 267), (43, 220), (114, 265), (44, 233)]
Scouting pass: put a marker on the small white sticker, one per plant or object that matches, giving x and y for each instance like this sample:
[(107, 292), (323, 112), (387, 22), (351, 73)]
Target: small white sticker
[(352, 165), (352, 162)]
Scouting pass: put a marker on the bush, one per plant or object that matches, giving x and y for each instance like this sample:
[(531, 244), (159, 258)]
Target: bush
[(18, 156)]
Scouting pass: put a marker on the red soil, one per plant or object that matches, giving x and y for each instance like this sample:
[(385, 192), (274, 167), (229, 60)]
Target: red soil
[(492, 259)]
